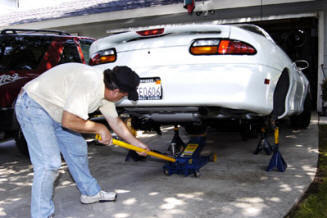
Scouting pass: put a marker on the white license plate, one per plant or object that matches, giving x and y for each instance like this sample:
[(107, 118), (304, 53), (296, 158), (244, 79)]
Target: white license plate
[(150, 89)]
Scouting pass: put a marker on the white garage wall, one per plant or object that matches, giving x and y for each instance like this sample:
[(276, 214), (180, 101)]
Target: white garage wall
[(322, 54)]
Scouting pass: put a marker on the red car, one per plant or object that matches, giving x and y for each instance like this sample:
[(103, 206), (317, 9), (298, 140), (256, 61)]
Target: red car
[(24, 55)]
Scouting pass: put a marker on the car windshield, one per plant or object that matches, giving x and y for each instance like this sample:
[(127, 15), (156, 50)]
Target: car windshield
[(22, 52)]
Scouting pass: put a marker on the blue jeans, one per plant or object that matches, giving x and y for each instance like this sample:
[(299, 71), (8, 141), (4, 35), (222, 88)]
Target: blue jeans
[(46, 139)]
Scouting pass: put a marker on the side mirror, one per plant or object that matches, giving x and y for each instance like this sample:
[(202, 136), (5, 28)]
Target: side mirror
[(302, 64)]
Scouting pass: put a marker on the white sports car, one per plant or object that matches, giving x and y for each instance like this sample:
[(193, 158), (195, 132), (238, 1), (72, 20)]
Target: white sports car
[(196, 73)]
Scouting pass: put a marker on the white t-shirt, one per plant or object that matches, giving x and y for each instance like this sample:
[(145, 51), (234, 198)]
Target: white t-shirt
[(73, 87)]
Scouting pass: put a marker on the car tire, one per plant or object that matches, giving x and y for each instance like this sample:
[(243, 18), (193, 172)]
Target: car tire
[(197, 173), (302, 121), (248, 130), (166, 172), (21, 143), (195, 129)]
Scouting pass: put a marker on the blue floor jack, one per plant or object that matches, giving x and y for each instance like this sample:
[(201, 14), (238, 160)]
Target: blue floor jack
[(189, 160), (186, 159)]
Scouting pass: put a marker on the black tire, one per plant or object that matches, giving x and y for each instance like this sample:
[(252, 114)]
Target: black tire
[(21, 143), (166, 172), (197, 173), (198, 13), (195, 129), (302, 121), (248, 130)]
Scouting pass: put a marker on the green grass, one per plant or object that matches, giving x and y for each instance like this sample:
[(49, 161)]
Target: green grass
[(314, 202)]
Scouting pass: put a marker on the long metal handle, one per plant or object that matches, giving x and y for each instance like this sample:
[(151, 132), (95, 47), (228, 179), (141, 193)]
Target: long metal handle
[(138, 149)]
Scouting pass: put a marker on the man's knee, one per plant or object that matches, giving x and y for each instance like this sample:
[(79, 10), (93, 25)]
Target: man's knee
[(51, 166)]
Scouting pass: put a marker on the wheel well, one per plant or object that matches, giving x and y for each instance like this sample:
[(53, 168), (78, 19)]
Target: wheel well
[(280, 94)]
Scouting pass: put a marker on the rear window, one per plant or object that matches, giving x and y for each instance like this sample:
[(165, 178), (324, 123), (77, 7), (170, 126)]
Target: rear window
[(22, 52), (85, 45), (253, 29), (70, 53)]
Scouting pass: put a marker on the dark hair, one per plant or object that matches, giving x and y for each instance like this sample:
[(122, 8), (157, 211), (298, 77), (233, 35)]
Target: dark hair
[(108, 80), (124, 79)]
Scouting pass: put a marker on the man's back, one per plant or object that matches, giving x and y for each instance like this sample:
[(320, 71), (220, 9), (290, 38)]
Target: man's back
[(68, 86)]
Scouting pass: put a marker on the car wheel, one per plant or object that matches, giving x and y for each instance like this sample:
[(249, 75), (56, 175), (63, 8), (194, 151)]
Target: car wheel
[(302, 121), (21, 143), (166, 172), (197, 173), (248, 130), (195, 129)]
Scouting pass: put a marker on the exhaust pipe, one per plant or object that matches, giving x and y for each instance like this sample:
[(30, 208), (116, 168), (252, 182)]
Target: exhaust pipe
[(168, 118)]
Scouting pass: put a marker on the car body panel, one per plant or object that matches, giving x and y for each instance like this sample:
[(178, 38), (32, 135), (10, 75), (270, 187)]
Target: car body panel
[(238, 82)]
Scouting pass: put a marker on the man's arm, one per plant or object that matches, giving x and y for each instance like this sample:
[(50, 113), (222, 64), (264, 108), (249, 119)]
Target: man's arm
[(77, 124), (120, 128)]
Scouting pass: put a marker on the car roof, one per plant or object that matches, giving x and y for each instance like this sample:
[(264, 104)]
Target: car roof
[(39, 32)]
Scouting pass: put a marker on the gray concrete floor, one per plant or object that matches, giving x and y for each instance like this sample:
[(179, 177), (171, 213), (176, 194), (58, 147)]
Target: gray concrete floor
[(236, 185)]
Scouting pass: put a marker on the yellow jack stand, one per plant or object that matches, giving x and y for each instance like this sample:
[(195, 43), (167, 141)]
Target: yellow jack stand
[(277, 160)]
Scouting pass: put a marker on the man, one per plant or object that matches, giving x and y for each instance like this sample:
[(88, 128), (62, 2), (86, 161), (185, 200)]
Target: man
[(52, 111)]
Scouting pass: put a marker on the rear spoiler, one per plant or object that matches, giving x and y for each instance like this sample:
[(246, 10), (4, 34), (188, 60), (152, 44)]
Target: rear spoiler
[(132, 34)]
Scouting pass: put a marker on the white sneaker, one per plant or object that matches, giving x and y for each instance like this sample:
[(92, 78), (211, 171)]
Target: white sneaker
[(102, 196)]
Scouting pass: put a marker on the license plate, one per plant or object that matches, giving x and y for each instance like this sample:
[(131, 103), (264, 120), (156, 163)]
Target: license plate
[(150, 89)]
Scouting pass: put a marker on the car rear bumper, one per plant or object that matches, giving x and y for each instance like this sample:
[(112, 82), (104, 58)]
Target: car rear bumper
[(245, 87)]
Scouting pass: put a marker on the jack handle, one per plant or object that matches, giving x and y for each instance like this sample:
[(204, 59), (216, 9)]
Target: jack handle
[(138, 149)]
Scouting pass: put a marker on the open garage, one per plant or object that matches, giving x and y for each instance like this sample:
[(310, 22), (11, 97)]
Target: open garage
[(237, 183)]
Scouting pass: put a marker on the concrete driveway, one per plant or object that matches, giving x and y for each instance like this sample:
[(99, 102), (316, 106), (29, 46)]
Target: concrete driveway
[(236, 185)]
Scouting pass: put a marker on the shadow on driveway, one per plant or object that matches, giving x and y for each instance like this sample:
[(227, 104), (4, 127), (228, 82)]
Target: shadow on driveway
[(236, 185)]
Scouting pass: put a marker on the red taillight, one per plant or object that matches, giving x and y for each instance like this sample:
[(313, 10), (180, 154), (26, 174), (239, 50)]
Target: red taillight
[(151, 32), (221, 47), (103, 57), (235, 47)]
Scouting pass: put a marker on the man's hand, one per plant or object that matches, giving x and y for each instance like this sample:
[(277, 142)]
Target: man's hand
[(105, 136), (141, 145), (122, 131), (77, 124)]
